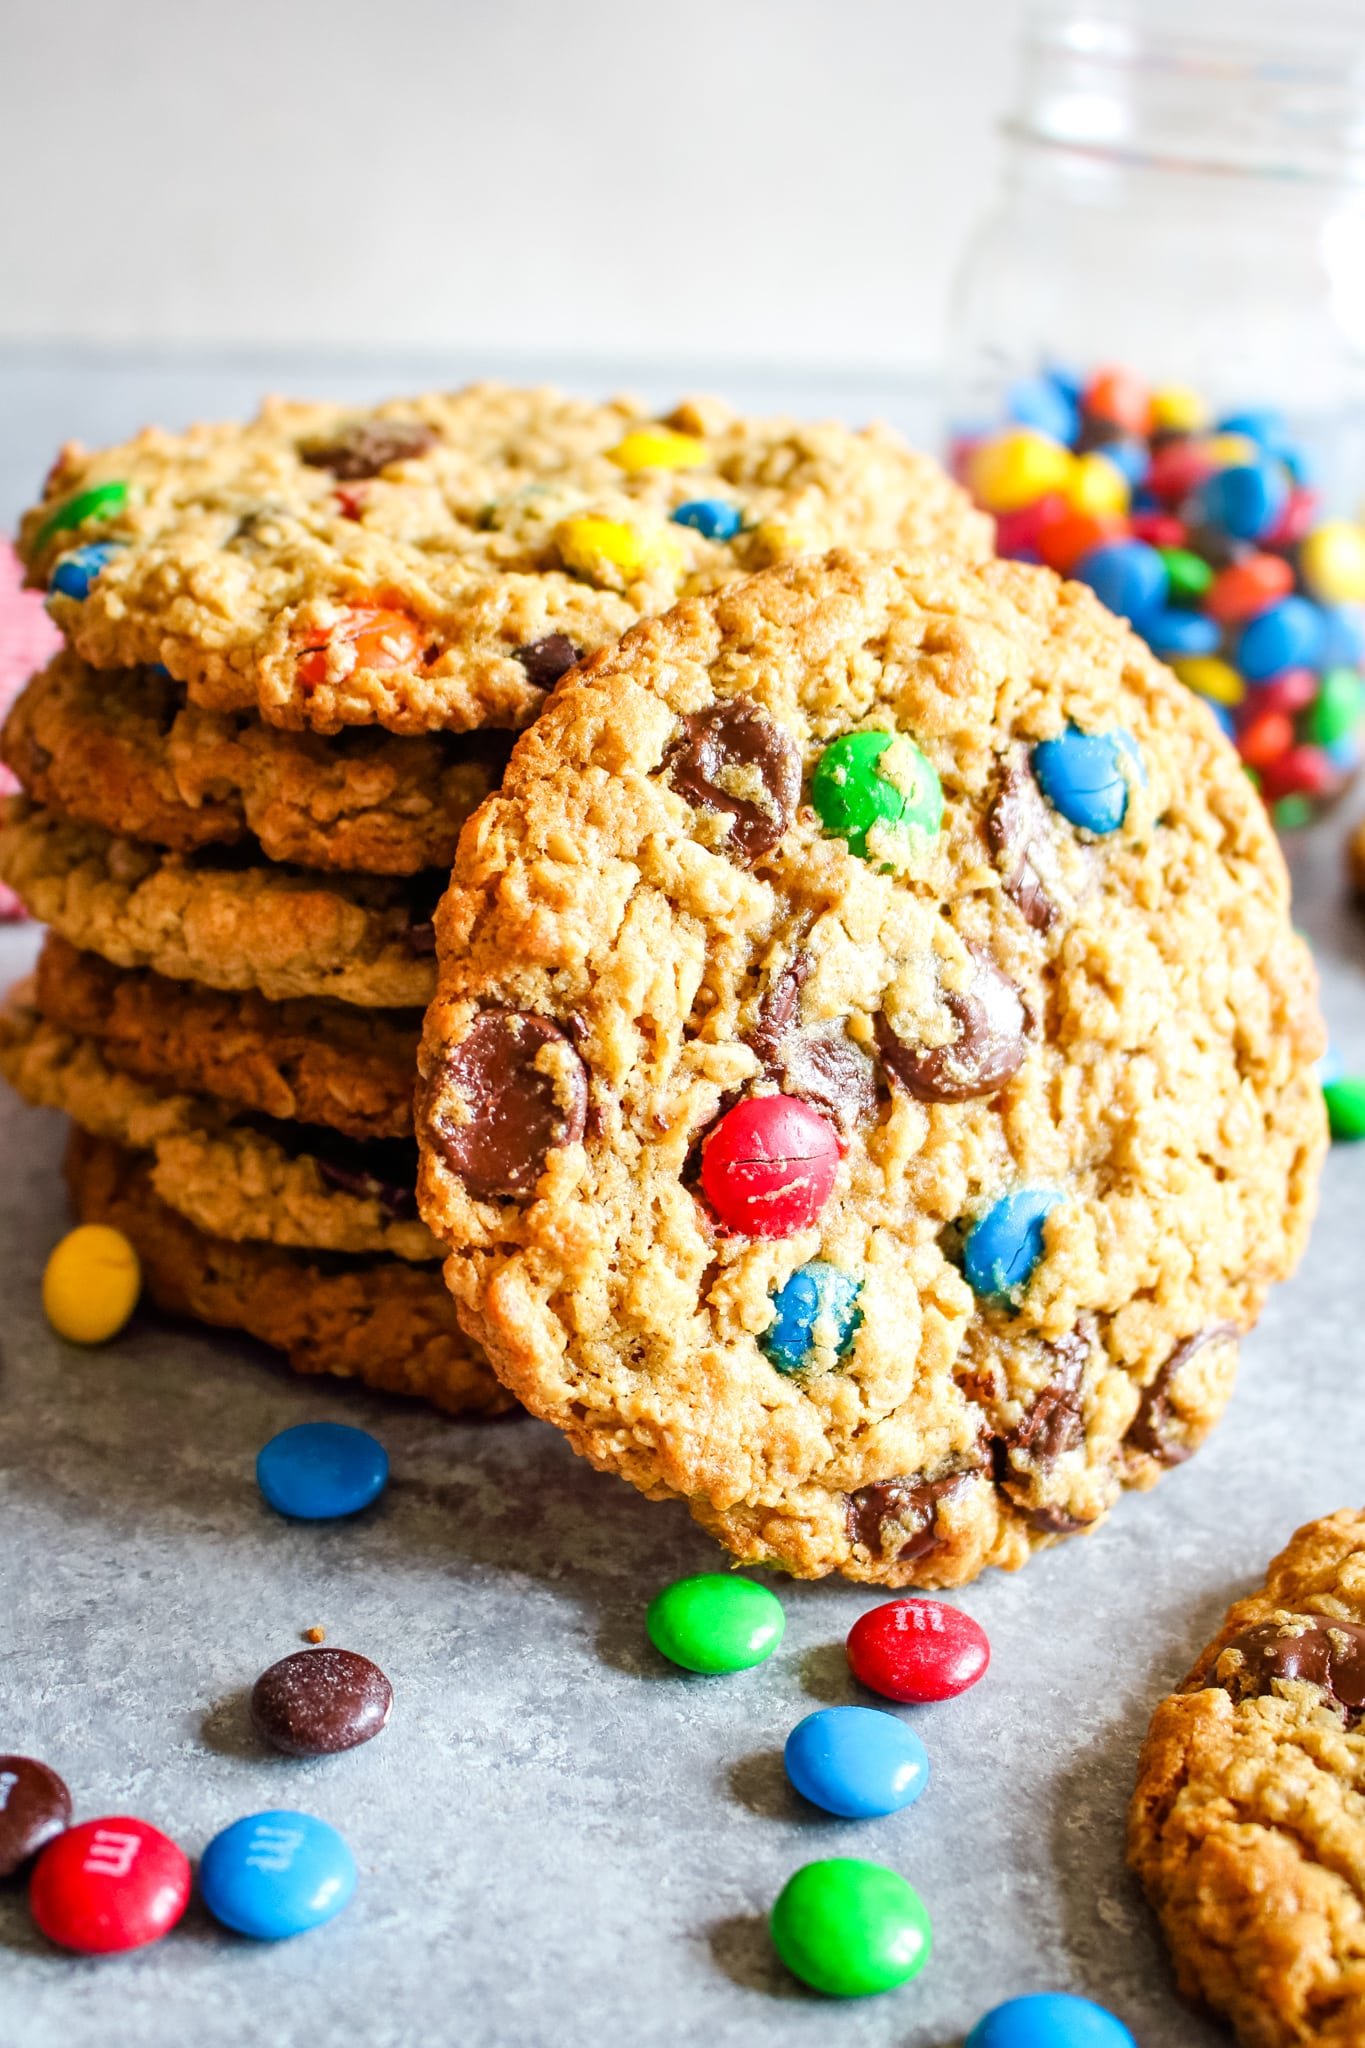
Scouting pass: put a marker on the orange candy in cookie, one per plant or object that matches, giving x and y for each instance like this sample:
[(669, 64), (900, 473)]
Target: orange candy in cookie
[(379, 636)]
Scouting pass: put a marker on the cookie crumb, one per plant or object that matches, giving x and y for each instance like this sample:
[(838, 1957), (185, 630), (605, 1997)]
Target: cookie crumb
[(315, 1635)]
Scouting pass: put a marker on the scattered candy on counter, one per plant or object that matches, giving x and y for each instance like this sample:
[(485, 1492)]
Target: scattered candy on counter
[(34, 1806), (916, 1651), (849, 1928), (91, 1284), (1345, 1099), (319, 1702), (768, 1165), (1049, 2019), (715, 1622), (856, 1761), (317, 1471), (1206, 535), (109, 1885), (277, 1874)]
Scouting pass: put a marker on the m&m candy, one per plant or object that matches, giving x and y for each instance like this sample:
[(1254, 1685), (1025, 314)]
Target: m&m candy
[(768, 1167), (850, 1928), (91, 1284), (277, 1874), (877, 791), (916, 1651), (1003, 1247), (714, 1622), (1086, 776), (713, 518), (815, 1317), (856, 1761), (109, 1885), (34, 1806), (317, 1471), (1049, 2019), (75, 572)]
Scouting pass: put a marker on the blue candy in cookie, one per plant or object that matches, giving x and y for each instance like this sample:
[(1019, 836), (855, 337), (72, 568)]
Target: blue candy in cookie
[(818, 1305), (1005, 1245), (713, 518), (75, 572), (1087, 775)]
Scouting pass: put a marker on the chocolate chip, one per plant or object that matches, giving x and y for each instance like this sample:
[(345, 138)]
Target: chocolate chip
[(1053, 1521), (733, 760), (778, 1010), (1316, 1648), (495, 1114), (1051, 1427), (422, 935), (1152, 1428), (545, 661), (392, 1196), (369, 446), (318, 1702), (1017, 827), (823, 1065), (896, 1519), (34, 1806), (991, 1042)]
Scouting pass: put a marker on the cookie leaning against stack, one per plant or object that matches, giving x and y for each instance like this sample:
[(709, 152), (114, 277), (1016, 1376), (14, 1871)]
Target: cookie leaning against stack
[(294, 654), (870, 1085)]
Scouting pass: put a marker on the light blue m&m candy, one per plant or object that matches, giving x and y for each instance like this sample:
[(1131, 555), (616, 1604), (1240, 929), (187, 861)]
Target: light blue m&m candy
[(1244, 500), (1005, 1245), (1128, 576), (1087, 776), (276, 1874), (819, 1304), (319, 1470), (75, 572), (1290, 634), (711, 517), (856, 1761), (1172, 634), (1049, 2019)]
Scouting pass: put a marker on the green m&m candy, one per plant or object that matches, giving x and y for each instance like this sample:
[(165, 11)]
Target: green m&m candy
[(1335, 712), (715, 1622), (1345, 1101), (847, 1927), (877, 791), (101, 501)]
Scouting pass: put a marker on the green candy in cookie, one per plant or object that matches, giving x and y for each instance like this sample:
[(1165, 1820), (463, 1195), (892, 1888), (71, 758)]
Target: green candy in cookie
[(877, 791)]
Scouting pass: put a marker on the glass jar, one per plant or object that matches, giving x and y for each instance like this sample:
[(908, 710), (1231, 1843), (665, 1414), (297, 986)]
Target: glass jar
[(1183, 197)]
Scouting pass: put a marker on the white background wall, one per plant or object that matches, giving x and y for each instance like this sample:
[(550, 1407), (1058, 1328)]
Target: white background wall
[(777, 181)]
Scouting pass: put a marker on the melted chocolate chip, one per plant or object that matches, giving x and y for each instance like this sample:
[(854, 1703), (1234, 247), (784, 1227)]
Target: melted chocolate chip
[(398, 1201), (733, 760), (382, 1170), (777, 1011), (991, 1042), (1016, 825), (1052, 1425), (508, 1113), (422, 935), (1153, 1428), (545, 661), (901, 1513), (369, 447), (1053, 1521), (1317, 1648), (822, 1065)]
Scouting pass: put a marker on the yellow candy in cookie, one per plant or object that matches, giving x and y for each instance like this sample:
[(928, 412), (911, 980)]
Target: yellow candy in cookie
[(612, 552), (659, 448), (91, 1284)]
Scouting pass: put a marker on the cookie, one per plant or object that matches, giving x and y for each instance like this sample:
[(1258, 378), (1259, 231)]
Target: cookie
[(436, 563), (378, 1321), (224, 917), (1247, 1827), (306, 1061), (238, 1178), (124, 750), (869, 1086)]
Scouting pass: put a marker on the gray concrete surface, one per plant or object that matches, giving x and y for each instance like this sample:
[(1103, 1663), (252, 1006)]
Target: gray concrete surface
[(562, 1841)]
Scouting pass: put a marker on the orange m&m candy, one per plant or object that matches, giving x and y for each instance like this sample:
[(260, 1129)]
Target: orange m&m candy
[(379, 636), (1117, 395), (1064, 539), (1245, 588)]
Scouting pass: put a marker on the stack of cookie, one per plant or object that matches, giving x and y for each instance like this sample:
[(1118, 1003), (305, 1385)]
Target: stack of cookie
[(296, 653)]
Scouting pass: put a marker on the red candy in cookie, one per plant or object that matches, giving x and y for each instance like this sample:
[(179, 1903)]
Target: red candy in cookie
[(109, 1885), (768, 1167), (917, 1651), (380, 637)]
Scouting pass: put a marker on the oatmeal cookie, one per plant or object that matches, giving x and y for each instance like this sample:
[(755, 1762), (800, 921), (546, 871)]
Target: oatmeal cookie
[(305, 1061), (1248, 1823), (124, 750), (226, 918), (235, 1177), (375, 1320), (869, 1087), (435, 564)]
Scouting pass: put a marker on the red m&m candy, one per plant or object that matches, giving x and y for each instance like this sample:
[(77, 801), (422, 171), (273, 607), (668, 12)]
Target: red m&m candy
[(1245, 588), (109, 1885), (917, 1650), (768, 1167)]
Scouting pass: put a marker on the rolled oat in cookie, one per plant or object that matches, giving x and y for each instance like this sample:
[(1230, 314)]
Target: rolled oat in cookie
[(826, 1126)]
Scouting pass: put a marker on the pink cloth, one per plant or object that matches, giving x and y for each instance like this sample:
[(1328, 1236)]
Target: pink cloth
[(28, 640)]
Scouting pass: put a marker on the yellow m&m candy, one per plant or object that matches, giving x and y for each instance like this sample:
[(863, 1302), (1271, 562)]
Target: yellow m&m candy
[(612, 552), (659, 448), (1332, 559), (1097, 487), (1012, 469), (1211, 677), (91, 1284), (1177, 409)]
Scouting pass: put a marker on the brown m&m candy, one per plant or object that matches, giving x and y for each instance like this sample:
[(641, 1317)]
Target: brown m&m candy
[(34, 1807), (319, 1702)]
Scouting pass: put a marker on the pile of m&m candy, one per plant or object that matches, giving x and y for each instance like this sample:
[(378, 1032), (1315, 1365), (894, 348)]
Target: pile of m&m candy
[(1206, 534), (844, 1925)]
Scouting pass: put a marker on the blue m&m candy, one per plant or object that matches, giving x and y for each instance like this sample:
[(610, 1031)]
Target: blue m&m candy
[(319, 1470), (856, 1762), (1173, 634), (75, 572), (1044, 402), (1005, 1245), (1290, 634), (817, 1306), (1049, 2019), (711, 517), (276, 1874), (1086, 776), (1244, 500), (1343, 636), (1127, 575)]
